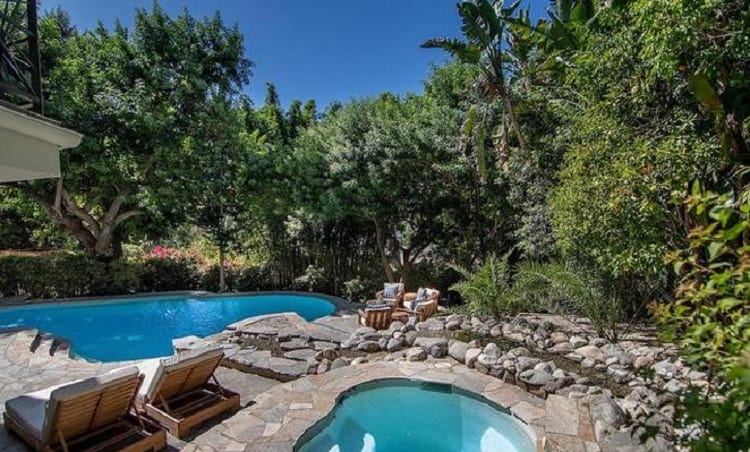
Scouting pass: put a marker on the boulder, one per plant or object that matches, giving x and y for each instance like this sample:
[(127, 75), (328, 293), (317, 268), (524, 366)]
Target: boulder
[(535, 377), (578, 341), (588, 363), (592, 352), (393, 345), (519, 351), (606, 414), (548, 367), (329, 353), (396, 326), (525, 362), (457, 350), (359, 360), (430, 325), (340, 362), (491, 350), (324, 366), (485, 361), (558, 337), (561, 347), (471, 357), (416, 354), (368, 346), (452, 325), (496, 331), (435, 346), (643, 362)]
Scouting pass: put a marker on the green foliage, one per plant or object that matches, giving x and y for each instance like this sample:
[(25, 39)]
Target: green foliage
[(136, 94), (60, 275), (489, 288), (710, 317), (355, 291), (553, 287), (312, 279)]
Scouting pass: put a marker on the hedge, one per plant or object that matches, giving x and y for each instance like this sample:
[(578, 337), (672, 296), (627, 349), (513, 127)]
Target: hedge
[(76, 275)]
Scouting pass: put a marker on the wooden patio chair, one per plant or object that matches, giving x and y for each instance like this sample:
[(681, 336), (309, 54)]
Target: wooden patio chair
[(94, 414), (397, 295), (182, 392), (425, 308), (377, 318)]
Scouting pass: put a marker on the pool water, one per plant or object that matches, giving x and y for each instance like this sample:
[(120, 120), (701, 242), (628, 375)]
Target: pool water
[(138, 328), (401, 415)]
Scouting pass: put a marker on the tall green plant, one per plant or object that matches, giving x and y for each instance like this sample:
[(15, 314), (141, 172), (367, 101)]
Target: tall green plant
[(711, 318), (488, 289), (554, 287)]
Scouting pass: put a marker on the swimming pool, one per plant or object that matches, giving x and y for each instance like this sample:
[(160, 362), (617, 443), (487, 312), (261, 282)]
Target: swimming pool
[(136, 328), (400, 414)]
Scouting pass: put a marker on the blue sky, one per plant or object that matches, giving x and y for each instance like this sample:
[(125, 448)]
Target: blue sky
[(322, 49)]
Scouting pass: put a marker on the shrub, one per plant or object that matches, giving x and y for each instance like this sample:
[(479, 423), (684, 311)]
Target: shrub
[(209, 279), (554, 287), (314, 279), (488, 290), (256, 278), (711, 318), (355, 290), (172, 273)]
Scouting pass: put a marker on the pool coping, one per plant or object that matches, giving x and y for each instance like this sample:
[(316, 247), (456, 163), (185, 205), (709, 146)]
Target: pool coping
[(338, 302), (283, 415)]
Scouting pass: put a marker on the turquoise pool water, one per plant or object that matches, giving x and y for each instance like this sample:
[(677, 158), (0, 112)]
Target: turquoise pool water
[(137, 328), (401, 415)]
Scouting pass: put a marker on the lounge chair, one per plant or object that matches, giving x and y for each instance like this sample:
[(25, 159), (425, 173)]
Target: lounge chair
[(392, 294), (422, 306), (378, 318), (177, 394), (91, 414)]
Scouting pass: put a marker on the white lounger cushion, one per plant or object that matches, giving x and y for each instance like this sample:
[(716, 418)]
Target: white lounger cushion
[(34, 410), (28, 410), (156, 369)]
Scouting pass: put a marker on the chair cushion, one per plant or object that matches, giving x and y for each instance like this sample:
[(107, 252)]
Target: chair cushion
[(391, 290), (156, 369), (31, 409)]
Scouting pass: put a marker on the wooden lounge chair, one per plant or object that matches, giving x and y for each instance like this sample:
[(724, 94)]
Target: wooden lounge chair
[(396, 299), (425, 309), (177, 394), (91, 414), (377, 318)]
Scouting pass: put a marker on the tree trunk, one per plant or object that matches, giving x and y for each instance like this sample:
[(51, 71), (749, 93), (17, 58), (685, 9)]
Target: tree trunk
[(380, 237), (222, 280), (513, 120), (406, 268), (98, 237)]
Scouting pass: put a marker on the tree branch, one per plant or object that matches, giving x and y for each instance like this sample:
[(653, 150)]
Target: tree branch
[(126, 215), (90, 222), (114, 208)]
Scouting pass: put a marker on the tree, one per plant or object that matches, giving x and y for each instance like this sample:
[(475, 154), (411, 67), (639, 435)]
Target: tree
[(216, 166), (388, 159), (483, 26), (135, 95)]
